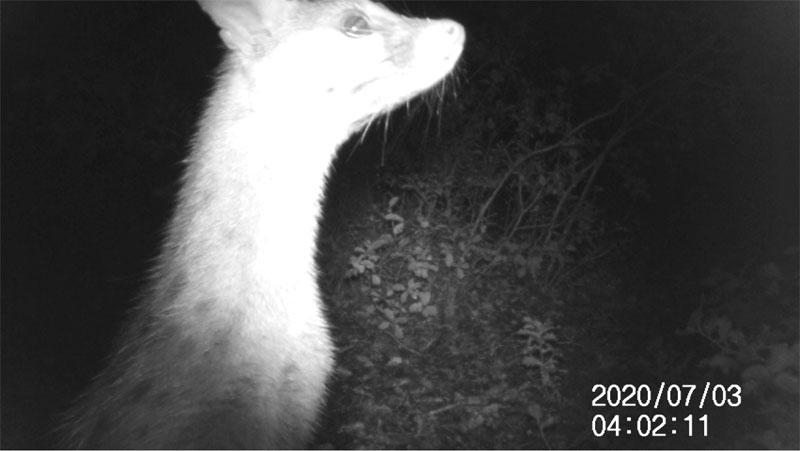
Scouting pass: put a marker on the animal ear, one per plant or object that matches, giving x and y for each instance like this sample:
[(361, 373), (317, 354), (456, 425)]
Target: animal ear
[(247, 25)]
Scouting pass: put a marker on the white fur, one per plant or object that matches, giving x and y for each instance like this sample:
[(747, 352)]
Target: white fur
[(229, 346)]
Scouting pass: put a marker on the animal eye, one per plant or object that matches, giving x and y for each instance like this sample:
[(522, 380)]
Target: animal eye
[(355, 24)]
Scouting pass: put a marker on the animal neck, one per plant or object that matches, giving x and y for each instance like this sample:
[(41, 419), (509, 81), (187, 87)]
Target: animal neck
[(250, 202)]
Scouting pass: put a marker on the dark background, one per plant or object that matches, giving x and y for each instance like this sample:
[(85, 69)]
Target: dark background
[(82, 208)]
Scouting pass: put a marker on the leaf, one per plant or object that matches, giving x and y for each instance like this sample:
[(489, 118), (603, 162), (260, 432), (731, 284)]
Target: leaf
[(425, 297), (418, 265), (393, 217), (394, 361), (526, 331), (530, 361), (380, 242), (388, 313), (376, 280), (491, 410), (430, 311), (448, 259), (393, 201), (535, 411)]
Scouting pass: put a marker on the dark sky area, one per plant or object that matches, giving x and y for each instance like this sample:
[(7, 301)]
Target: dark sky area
[(74, 74)]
